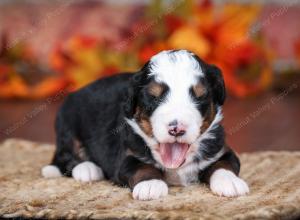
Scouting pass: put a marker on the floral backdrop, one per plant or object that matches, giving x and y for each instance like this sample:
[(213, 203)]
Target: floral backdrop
[(228, 36)]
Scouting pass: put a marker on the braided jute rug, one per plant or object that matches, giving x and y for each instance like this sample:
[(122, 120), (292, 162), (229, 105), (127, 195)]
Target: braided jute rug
[(273, 177)]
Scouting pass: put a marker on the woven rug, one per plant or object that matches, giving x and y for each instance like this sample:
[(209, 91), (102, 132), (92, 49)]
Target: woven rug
[(273, 177)]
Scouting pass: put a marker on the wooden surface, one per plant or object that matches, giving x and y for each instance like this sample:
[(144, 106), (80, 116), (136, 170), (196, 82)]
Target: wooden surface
[(267, 122)]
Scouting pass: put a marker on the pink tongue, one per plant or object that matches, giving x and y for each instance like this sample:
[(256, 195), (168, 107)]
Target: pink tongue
[(173, 155)]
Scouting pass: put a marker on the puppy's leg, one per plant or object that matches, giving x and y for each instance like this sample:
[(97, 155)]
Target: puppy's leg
[(67, 161), (64, 160), (65, 157), (144, 179), (222, 176)]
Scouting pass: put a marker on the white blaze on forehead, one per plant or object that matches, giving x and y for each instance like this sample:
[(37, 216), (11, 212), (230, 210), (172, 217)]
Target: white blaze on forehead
[(173, 67), (179, 70)]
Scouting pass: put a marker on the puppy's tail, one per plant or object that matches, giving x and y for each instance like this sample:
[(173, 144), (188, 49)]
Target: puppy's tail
[(65, 157)]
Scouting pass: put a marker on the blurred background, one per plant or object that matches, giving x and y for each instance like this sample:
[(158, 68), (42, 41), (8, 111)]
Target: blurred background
[(49, 48)]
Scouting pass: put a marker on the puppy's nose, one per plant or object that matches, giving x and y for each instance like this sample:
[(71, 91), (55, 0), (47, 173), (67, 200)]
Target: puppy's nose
[(176, 129), (173, 123)]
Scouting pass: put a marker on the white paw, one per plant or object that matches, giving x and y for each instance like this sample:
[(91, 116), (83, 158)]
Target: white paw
[(51, 171), (87, 172), (150, 189), (226, 183)]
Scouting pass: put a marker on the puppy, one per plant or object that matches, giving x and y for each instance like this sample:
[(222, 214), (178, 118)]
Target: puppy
[(149, 130)]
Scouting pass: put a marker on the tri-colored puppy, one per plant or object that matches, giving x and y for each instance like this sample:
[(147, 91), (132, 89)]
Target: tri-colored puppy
[(149, 130)]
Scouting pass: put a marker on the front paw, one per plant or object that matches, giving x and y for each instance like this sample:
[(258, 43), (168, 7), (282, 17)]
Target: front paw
[(87, 172), (150, 189), (226, 183)]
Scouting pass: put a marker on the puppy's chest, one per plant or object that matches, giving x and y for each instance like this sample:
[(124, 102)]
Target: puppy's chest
[(181, 177)]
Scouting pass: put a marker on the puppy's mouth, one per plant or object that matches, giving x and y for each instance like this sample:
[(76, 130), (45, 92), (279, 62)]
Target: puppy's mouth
[(173, 154)]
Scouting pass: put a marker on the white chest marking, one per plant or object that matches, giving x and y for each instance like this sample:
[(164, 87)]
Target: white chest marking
[(189, 173)]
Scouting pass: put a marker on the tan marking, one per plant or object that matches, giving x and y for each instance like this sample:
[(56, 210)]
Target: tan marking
[(146, 126), (155, 89), (172, 178), (79, 150), (210, 115), (143, 121), (145, 172), (199, 90)]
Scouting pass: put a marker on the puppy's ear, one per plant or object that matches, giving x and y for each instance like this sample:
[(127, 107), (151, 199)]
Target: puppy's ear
[(216, 82), (131, 95)]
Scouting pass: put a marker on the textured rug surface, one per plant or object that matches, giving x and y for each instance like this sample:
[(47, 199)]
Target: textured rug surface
[(273, 177)]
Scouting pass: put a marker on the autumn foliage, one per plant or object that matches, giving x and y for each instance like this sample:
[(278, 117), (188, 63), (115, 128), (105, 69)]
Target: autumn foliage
[(218, 35)]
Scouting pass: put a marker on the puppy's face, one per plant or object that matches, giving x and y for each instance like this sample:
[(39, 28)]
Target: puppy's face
[(174, 101)]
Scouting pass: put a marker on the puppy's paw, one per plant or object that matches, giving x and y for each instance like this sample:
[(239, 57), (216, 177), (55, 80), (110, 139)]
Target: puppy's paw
[(87, 172), (150, 189), (51, 171), (226, 183)]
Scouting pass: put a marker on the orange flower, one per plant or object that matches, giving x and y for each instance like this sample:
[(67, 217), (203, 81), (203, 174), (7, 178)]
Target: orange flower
[(172, 23), (148, 50), (188, 37), (246, 70), (297, 50)]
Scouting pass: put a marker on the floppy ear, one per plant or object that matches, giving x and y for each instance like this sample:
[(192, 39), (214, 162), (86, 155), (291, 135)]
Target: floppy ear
[(215, 79), (130, 99)]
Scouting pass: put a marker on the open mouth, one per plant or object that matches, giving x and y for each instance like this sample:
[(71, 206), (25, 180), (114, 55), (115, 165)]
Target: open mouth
[(173, 154)]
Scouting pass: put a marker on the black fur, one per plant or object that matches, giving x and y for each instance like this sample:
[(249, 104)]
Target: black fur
[(215, 80)]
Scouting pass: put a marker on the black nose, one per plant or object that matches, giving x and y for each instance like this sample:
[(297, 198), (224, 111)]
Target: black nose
[(176, 132)]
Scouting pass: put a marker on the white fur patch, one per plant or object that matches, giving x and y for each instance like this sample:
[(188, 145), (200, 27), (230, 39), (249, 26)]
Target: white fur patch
[(150, 189), (51, 171), (87, 172), (226, 183), (179, 71), (194, 148), (169, 66), (189, 173)]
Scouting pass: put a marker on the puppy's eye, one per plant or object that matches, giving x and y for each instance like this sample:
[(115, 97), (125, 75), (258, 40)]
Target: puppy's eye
[(155, 89), (199, 90)]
